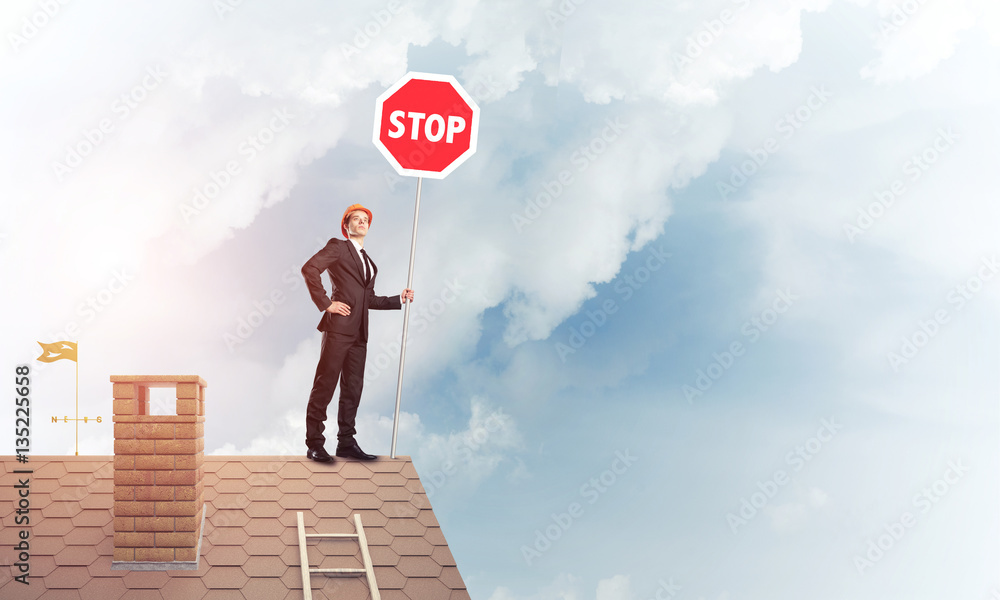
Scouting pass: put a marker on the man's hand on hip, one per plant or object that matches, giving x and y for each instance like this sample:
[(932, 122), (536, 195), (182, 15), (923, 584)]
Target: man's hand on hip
[(338, 308)]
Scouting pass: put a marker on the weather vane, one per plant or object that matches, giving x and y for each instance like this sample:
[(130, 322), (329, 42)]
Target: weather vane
[(59, 351)]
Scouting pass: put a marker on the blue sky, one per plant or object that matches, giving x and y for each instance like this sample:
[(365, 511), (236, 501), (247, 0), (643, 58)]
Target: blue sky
[(752, 338)]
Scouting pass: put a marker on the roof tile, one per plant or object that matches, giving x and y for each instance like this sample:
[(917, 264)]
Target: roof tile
[(94, 517), (230, 501), (399, 510), (228, 536), (405, 527), (233, 470), (294, 470), (296, 486), (427, 518), (263, 510), (443, 556), (188, 588), (264, 566), (327, 478), (68, 577), (54, 526), (145, 580), (389, 578), (359, 486), (355, 470), (332, 510), (226, 556), (61, 509), (225, 577), (398, 493), (435, 537), (233, 486), (264, 479), (224, 594), (85, 536), (76, 556), (389, 479), (383, 556), (377, 536), (411, 546), (388, 465), (296, 501), (419, 588), (263, 493), (356, 501), (451, 578), (103, 588), (61, 594), (265, 546), (264, 587), (263, 527), (418, 566)]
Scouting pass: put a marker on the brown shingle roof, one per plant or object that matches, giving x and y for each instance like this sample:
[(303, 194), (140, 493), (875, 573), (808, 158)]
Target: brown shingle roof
[(250, 545)]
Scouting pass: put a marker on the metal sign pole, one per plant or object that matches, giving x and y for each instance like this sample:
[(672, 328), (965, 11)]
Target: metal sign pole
[(406, 322)]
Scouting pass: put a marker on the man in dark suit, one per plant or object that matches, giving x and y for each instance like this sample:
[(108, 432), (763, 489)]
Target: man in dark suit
[(345, 331)]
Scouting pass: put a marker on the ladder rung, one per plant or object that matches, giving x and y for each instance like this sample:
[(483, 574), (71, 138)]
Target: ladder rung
[(331, 535)]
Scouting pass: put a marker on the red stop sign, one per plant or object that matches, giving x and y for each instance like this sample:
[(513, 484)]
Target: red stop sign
[(426, 125)]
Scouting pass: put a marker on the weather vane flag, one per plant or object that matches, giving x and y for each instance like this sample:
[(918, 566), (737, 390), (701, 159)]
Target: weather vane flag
[(425, 126), (57, 351)]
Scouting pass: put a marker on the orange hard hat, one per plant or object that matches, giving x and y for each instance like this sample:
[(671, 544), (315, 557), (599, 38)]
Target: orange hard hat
[(347, 213)]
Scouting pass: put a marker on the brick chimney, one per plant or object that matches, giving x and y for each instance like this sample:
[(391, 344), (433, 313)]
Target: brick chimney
[(159, 474)]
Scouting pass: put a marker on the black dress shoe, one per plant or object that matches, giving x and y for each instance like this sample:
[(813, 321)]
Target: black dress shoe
[(352, 450), (320, 455)]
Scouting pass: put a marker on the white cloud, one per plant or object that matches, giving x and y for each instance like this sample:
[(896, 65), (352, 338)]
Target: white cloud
[(789, 516), (915, 36)]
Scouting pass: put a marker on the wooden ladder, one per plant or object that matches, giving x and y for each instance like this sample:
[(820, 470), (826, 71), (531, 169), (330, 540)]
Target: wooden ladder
[(359, 535)]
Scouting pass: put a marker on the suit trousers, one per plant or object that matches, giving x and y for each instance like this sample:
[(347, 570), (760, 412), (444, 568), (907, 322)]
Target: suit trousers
[(341, 357)]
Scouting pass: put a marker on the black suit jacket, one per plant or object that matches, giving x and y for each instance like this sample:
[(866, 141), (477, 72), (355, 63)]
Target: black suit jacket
[(343, 264)]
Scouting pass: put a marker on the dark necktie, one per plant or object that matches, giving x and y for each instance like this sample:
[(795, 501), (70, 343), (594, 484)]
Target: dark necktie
[(368, 271)]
